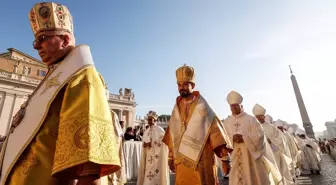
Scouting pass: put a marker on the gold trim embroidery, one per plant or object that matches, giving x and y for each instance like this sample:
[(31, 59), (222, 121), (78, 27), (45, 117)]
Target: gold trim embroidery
[(10, 167), (52, 82)]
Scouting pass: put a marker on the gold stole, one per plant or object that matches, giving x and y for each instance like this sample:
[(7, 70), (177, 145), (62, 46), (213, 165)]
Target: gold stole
[(189, 142), (38, 107)]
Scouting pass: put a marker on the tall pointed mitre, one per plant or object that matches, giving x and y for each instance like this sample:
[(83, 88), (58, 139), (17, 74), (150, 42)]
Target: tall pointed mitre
[(185, 74), (258, 110), (234, 98), (49, 16)]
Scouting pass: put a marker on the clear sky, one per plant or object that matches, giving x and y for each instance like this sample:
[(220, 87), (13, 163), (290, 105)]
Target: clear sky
[(238, 45)]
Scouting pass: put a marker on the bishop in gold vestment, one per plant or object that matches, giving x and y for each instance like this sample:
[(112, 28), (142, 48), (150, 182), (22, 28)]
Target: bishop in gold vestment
[(73, 138), (194, 135)]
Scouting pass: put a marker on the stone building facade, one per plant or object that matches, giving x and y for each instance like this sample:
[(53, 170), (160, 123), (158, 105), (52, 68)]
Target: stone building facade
[(331, 129), (19, 76)]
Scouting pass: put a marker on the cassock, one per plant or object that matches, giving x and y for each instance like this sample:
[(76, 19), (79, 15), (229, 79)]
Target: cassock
[(250, 159), (275, 138), (154, 168), (64, 130)]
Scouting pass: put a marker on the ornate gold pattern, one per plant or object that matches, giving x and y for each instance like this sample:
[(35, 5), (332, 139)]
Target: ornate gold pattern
[(71, 152), (50, 16), (240, 167), (81, 137), (60, 14), (38, 140), (45, 12), (52, 82), (85, 130), (185, 74)]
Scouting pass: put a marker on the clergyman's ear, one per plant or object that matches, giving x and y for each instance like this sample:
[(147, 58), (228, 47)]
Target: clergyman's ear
[(67, 40)]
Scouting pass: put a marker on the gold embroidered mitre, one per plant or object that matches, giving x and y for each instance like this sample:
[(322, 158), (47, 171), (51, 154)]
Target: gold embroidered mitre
[(49, 16), (185, 74)]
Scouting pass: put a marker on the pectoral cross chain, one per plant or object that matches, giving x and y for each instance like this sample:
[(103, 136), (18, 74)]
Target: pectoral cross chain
[(21, 113)]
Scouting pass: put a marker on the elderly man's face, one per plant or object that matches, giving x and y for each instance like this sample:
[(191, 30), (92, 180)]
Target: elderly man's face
[(185, 88), (50, 47), (236, 109)]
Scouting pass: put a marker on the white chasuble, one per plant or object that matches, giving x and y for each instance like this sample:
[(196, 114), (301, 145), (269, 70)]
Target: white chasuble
[(311, 155), (304, 161), (275, 136), (252, 161), (293, 151), (154, 168)]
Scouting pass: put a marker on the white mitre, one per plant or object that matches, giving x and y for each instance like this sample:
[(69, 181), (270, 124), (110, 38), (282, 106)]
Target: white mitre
[(269, 118), (300, 132), (279, 123), (234, 98), (152, 114), (258, 110)]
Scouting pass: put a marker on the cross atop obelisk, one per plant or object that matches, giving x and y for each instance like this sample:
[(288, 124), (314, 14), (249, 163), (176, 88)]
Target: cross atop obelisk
[(290, 69), (303, 111)]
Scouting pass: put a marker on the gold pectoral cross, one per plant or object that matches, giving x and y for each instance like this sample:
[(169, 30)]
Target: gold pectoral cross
[(21, 113)]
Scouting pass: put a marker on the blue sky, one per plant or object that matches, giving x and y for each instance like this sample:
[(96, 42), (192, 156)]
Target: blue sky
[(234, 45)]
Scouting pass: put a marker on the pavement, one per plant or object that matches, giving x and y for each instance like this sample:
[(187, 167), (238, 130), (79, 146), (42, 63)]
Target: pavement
[(326, 177)]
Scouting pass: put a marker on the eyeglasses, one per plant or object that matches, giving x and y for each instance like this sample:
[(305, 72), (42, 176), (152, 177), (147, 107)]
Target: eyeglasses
[(42, 38)]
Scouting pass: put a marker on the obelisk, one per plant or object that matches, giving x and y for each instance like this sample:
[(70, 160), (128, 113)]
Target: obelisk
[(303, 111)]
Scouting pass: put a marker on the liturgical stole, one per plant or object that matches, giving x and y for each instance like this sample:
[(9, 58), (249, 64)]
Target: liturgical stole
[(188, 145)]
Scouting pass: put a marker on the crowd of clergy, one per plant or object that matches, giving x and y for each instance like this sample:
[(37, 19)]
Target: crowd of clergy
[(264, 151)]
